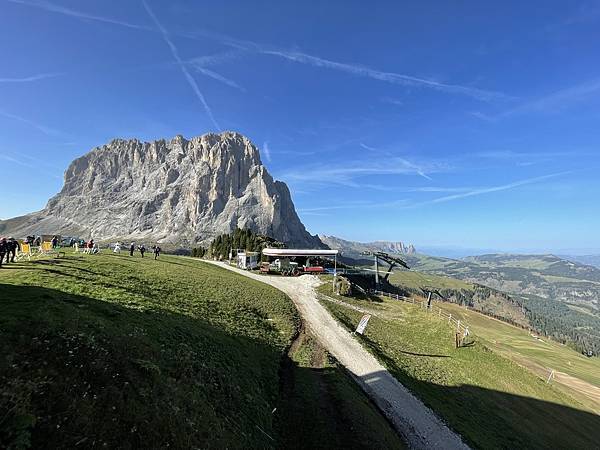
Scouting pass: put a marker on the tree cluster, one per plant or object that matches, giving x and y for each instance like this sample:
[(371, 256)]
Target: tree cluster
[(199, 252), (240, 239)]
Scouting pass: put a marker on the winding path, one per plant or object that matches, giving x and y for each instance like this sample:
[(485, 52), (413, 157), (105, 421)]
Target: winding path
[(419, 426)]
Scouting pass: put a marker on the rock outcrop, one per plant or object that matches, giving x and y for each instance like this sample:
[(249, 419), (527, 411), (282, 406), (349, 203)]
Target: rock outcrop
[(178, 192), (354, 249)]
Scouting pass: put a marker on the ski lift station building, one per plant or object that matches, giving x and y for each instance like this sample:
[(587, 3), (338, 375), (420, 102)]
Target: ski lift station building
[(302, 253)]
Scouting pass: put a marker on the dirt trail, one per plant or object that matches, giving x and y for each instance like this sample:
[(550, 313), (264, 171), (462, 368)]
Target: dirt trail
[(419, 426)]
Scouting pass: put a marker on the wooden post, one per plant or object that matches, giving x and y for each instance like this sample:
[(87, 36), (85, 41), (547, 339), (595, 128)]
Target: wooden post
[(334, 271), (458, 326), (450, 318)]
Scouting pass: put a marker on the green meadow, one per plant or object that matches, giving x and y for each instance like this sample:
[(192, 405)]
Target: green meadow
[(489, 399), (107, 351)]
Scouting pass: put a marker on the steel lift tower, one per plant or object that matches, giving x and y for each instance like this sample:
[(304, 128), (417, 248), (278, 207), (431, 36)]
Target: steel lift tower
[(392, 262)]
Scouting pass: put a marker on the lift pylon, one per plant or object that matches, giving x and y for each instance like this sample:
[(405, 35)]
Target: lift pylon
[(392, 262)]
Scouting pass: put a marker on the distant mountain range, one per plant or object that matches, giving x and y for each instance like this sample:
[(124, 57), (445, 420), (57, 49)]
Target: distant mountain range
[(591, 260), (356, 250), (556, 296)]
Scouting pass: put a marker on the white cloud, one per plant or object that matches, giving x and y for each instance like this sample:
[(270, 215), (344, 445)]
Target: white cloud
[(488, 190), (267, 151), (346, 173)]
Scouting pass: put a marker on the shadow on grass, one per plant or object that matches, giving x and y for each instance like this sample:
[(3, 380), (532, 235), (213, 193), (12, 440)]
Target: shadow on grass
[(488, 418), (77, 371)]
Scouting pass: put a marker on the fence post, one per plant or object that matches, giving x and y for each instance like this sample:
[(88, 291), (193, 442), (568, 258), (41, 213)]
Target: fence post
[(450, 318), (458, 326), (439, 312)]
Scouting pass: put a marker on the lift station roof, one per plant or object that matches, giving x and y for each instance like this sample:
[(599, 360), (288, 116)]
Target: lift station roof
[(282, 252)]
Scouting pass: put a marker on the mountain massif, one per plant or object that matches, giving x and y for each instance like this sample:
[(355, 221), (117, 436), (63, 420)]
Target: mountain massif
[(177, 191)]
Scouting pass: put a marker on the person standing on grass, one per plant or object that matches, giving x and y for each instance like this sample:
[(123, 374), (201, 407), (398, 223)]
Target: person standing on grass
[(3, 250), (12, 247), (131, 249), (142, 250), (156, 249)]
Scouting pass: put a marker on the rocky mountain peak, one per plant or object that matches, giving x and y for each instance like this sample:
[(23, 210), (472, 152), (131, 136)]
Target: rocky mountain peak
[(176, 191)]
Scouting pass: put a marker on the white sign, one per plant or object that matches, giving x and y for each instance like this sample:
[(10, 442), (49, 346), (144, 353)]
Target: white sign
[(360, 329)]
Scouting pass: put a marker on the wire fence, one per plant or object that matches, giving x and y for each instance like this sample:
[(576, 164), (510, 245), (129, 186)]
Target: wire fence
[(459, 325)]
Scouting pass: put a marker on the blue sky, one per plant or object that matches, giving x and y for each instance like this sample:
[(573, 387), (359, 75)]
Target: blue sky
[(471, 124)]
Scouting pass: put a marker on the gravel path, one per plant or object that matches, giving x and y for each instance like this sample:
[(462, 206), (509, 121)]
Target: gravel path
[(419, 426)]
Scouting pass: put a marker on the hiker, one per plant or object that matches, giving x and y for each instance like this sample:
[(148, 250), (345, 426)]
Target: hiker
[(12, 247), (142, 249), (131, 249), (38, 241), (117, 248), (156, 249), (3, 250), (54, 241), (95, 248)]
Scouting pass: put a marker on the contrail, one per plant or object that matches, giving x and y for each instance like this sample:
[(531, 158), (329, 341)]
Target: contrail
[(503, 187), (81, 15), (389, 77), (37, 77), (44, 129), (217, 76), (186, 73), (303, 58)]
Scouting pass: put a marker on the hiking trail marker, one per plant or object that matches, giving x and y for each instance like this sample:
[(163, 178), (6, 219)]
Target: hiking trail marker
[(360, 329)]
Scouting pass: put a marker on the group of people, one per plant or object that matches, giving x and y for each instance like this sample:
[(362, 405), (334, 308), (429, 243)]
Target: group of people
[(90, 247), (8, 248), (34, 240), (141, 248)]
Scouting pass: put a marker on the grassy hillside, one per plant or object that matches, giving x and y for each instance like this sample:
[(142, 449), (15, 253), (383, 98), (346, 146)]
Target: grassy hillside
[(491, 401), (112, 351), (561, 298), (578, 375), (481, 298)]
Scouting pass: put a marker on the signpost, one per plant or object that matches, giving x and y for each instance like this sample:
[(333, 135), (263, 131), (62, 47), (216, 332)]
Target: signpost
[(360, 329)]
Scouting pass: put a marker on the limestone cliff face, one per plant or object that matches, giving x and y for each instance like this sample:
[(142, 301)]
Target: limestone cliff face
[(178, 191)]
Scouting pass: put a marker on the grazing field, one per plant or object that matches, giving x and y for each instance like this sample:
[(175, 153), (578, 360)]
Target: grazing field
[(418, 280), (107, 350), (492, 401), (112, 351), (541, 355)]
